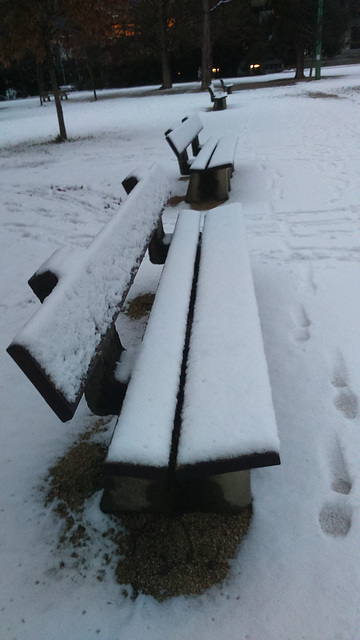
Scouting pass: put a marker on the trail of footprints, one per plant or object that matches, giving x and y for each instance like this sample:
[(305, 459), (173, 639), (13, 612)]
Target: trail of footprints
[(335, 516), (345, 399)]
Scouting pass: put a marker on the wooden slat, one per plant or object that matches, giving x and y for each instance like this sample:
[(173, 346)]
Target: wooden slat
[(201, 161), (228, 420), (224, 153), (142, 439)]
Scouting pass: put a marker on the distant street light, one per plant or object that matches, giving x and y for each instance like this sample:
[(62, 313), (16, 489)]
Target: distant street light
[(319, 40)]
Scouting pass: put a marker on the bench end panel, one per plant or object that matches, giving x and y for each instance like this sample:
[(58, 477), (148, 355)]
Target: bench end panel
[(54, 398)]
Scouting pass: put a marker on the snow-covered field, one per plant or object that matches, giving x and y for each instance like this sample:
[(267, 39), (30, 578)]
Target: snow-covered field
[(297, 574)]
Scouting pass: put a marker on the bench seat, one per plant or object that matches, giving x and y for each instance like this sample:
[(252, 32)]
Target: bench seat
[(151, 399), (199, 403), (211, 170)]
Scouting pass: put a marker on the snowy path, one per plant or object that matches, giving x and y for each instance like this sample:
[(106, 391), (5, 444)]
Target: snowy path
[(297, 575)]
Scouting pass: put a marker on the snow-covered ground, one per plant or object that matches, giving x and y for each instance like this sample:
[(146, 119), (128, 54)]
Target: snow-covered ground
[(297, 574)]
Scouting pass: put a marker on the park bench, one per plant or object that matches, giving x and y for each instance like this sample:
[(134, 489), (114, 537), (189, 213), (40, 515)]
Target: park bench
[(198, 413), (70, 346), (45, 96), (218, 98), (211, 165), (226, 86)]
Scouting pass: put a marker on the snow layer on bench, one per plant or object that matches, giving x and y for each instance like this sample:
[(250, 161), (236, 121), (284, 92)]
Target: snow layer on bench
[(228, 410), (202, 159), (65, 332), (61, 261), (224, 153), (144, 429), (182, 136)]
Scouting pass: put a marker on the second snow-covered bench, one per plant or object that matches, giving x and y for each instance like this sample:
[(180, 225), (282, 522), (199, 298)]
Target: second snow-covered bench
[(211, 165), (70, 346), (226, 86), (198, 413), (218, 98)]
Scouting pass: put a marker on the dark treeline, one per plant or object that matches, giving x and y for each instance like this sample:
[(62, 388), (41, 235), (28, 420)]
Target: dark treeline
[(93, 44)]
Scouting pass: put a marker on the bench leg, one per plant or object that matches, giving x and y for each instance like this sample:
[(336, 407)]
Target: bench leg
[(103, 393), (125, 494), (158, 249), (223, 493), (219, 104), (209, 185)]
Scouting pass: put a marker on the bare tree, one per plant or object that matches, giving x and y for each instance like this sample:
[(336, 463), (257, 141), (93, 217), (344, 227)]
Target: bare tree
[(32, 28), (37, 27)]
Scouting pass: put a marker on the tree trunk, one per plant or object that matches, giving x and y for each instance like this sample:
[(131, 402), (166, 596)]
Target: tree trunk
[(164, 53), (40, 80), (55, 88), (300, 59), (206, 53), (92, 80)]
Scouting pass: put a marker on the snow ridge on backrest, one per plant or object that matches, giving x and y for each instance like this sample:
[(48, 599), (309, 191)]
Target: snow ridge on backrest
[(182, 136), (64, 333)]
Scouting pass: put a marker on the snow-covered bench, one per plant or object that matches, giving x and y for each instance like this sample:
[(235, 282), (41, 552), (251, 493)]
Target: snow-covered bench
[(211, 170), (70, 345), (198, 413), (226, 86), (45, 96), (212, 164), (218, 98)]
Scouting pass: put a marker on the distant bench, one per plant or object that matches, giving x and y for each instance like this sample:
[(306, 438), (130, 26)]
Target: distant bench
[(198, 413), (218, 98), (226, 86), (211, 165), (45, 96), (70, 346)]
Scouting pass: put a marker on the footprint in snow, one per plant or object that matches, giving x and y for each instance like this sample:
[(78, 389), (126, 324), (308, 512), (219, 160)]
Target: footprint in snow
[(307, 279), (345, 400), (301, 332), (341, 482), (347, 403), (340, 375), (335, 519)]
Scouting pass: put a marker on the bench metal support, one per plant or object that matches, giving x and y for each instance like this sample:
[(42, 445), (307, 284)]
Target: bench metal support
[(219, 104), (209, 185), (222, 493), (103, 393)]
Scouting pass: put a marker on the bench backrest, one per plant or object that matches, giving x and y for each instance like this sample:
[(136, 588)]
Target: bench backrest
[(211, 90), (226, 86), (179, 139), (59, 346)]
